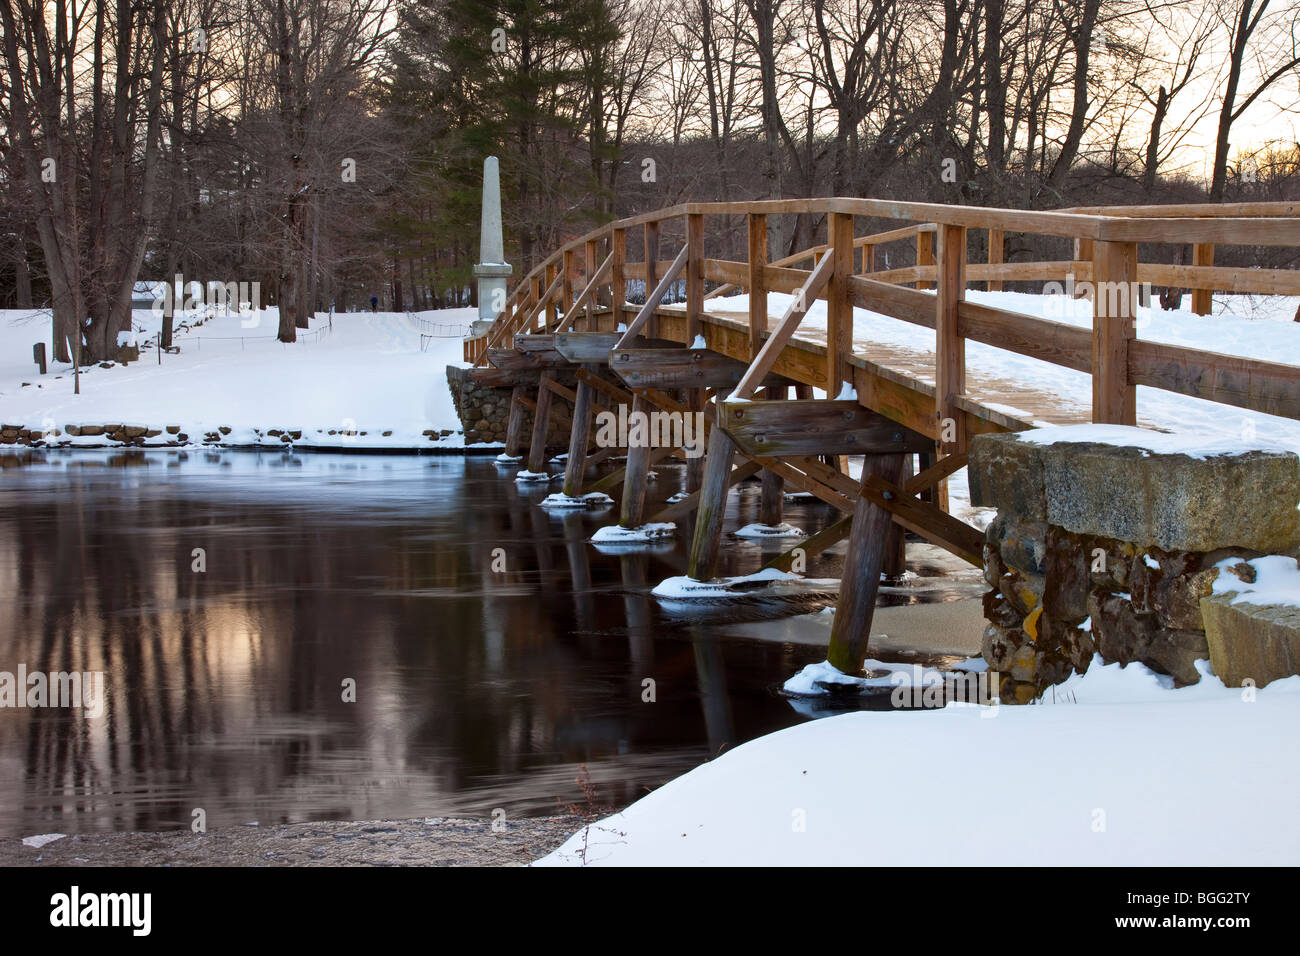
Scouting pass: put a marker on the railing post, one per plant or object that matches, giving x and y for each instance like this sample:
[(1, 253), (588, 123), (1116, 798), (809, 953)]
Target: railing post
[(950, 347), (1202, 299), (694, 275), (1114, 307), (617, 280), (566, 284), (592, 264), (924, 255), (651, 273), (757, 282), (995, 257), (550, 304), (839, 301), (537, 298), (868, 258), (1082, 253)]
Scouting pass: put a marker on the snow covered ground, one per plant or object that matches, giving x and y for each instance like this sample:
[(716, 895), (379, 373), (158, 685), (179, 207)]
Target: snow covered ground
[(367, 374), (1115, 768)]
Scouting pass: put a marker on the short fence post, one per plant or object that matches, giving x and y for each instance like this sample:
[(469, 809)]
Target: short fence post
[(1202, 299), (592, 251), (566, 285), (1114, 307)]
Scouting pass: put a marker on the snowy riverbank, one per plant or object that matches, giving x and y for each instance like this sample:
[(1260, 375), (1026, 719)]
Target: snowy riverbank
[(358, 381), (1115, 768)]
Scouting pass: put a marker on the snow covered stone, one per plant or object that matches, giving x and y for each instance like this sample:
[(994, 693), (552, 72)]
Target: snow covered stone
[(1140, 486), (781, 530), (593, 499), (616, 534), (1252, 620)]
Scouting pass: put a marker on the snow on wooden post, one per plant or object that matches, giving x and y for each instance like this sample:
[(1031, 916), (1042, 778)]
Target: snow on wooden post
[(839, 301), (757, 282), (1114, 307)]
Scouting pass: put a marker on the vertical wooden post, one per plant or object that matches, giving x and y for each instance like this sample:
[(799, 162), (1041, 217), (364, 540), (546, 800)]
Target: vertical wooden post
[(632, 507), (617, 280), (695, 401), (1082, 253), (515, 423), (592, 251), (541, 420), (896, 547), (576, 464), (839, 302), (651, 273), (950, 347), (1202, 299), (869, 258), (1114, 307), (550, 303), (540, 320), (703, 562), (995, 257), (851, 630), (771, 499), (757, 282), (694, 276), (566, 285), (924, 255)]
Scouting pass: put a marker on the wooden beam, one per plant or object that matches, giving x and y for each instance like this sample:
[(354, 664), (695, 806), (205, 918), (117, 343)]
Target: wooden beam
[(675, 368), (931, 475), (832, 534), (771, 500), (1114, 268), (583, 348), (821, 427)]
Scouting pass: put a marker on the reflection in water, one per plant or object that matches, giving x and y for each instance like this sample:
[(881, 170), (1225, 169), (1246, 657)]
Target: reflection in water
[(493, 649)]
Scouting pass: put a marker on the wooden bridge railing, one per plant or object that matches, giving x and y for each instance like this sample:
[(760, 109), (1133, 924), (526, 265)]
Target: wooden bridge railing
[(1106, 255)]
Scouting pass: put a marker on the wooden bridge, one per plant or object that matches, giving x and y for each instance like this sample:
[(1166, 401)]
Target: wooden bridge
[(886, 404)]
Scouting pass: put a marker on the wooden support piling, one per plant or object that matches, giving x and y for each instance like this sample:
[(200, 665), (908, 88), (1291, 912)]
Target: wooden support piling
[(636, 476), (851, 630), (515, 423), (541, 419), (703, 562), (771, 500), (575, 465)]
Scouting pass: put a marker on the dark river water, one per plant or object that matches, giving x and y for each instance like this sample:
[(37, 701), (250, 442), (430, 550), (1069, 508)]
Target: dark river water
[(492, 649)]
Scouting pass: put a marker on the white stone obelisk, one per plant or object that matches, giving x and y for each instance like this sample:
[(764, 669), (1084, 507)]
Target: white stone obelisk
[(492, 269)]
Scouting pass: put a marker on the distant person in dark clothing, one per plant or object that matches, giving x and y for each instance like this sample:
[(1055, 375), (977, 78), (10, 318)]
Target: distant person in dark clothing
[(374, 303)]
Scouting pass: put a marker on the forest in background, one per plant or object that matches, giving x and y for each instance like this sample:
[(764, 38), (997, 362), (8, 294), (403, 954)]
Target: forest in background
[(331, 150)]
